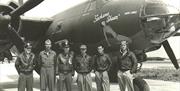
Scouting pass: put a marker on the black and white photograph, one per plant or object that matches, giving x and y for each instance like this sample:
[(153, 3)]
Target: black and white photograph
[(89, 45)]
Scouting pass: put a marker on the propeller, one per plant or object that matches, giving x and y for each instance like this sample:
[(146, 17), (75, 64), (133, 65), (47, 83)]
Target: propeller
[(15, 21), (25, 7), (170, 53)]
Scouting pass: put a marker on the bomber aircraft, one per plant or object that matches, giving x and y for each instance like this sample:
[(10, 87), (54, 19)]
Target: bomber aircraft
[(148, 23)]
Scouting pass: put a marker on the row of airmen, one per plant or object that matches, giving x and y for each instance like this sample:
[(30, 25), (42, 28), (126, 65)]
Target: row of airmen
[(66, 63)]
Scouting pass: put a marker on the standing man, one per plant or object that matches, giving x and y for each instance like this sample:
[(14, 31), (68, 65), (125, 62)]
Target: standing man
[(127, 64), (25, 65), (47, 62), (83, 66), (65, 67), (102, 64)]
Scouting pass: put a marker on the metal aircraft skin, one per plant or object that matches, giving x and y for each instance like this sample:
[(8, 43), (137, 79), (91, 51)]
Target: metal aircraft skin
[(148, 23)]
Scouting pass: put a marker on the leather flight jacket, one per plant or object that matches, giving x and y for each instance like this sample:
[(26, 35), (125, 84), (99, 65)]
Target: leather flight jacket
[(127, 62), (64, 63), (83, 64), (102, 62), (25, 64)]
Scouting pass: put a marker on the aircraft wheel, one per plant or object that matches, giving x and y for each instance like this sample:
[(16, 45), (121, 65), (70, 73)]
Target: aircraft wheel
[(140, 85)]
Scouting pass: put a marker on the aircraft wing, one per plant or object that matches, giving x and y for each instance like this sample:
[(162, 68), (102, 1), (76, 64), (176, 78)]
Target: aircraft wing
[(177, 34)]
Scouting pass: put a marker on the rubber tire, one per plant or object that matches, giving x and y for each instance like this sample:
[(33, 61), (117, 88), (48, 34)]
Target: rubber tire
[(140, 85)]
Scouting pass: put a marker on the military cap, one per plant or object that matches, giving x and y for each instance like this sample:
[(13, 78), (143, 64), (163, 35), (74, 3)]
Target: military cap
[(28, 45), (65, 44), (83, 46), (124, 42), (48, 42)]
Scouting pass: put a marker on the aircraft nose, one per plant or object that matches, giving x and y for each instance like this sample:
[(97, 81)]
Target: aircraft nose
[(160, 21)]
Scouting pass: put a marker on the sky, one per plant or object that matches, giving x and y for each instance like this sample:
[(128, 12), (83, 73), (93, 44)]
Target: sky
[(48, 8)]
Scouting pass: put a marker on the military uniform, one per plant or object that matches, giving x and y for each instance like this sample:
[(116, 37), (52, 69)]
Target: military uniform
[(25, 65), (83, 66), (126, 65), (65, 70), (102, 64), (47, 60)]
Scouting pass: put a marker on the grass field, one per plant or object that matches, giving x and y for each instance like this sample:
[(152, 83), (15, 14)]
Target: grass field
[(160, 74)]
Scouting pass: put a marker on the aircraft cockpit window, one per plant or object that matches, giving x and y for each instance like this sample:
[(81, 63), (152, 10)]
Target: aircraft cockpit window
[(158, 28), (152, 19), (159, 9), (159, 20)]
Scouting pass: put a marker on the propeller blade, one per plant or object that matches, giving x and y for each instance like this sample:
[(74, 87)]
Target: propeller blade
[(13, 5), (25, 7), (15, 22), (15, 38), (170, 53)]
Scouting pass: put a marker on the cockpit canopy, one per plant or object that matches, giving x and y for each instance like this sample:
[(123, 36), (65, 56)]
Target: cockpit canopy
[(159, 20), (159, 8)]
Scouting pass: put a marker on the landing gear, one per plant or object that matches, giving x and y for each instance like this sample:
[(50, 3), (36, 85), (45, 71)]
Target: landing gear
[(140, 84)]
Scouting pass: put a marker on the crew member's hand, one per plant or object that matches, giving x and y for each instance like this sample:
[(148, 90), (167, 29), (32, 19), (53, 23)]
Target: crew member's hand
[(93, 71), (57, 77), (131, 71), (119, 73)]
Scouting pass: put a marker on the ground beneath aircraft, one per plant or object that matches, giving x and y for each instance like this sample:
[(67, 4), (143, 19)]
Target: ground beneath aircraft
[(9, 79)]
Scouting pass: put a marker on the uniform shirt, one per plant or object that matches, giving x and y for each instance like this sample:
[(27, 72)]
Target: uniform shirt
[(127, 62), (24, 63), (47, 59), (83, 64), (64, 62), (102, 62)]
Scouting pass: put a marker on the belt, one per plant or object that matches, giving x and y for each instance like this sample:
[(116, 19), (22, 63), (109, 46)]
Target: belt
[(101, 70), (123, 70), (84, 73), (65, 72), (26, 72), (47, 66)]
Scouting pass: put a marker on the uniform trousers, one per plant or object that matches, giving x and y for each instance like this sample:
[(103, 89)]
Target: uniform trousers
[(102, 81), (25, 81), (65, 79), (47, 78), (125, 81), (84, 82)]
